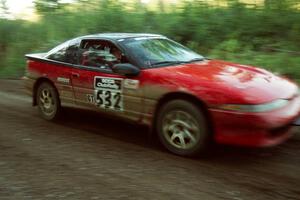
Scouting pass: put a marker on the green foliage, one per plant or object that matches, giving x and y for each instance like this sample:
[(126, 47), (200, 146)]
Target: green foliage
[(45, 6), (235, 33)]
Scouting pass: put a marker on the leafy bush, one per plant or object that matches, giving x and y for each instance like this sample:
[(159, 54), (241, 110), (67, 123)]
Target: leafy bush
[(236, 33)]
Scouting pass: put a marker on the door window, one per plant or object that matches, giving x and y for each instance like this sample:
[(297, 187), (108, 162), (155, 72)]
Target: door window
[(100, 54)]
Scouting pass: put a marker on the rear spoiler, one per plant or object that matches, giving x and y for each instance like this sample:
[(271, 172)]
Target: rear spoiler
[(36, 56), (41, 57)]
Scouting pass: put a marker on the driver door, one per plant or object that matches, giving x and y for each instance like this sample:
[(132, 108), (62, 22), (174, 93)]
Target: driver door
[(97, 87)]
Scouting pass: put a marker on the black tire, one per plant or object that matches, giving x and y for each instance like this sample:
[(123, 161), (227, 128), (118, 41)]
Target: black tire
[(48, 102), (183, 128)]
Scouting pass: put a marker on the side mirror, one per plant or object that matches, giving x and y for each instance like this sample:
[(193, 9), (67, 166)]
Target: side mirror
[(125, 69)]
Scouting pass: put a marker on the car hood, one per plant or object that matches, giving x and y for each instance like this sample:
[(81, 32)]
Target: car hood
[(234, 82)]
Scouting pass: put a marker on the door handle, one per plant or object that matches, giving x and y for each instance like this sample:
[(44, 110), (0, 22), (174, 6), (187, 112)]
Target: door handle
[(75, 75)]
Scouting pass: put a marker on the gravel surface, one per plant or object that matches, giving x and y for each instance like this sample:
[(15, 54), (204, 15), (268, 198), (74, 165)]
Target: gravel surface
[(89, 156)]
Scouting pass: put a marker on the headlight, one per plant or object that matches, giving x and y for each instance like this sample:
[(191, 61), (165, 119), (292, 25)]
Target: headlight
[(256, 108)]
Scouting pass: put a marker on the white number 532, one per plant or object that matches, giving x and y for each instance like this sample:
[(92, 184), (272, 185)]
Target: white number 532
[(109, 99)]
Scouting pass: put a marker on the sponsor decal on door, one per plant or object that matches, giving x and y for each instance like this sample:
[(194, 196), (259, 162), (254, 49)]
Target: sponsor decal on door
[(108, 93)]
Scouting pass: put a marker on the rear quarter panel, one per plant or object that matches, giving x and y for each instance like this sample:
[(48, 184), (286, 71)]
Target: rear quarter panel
[(38, 68)]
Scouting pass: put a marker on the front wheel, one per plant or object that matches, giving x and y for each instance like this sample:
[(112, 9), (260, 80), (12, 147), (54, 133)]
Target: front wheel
[(183, 128), (48, 101)]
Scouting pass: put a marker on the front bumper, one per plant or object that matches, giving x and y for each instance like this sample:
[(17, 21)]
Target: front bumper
[(255, 129)]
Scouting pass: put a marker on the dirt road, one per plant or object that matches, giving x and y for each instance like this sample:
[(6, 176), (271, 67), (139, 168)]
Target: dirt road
[(87, 156)]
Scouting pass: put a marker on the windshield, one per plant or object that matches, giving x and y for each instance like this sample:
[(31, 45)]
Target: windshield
[(157, 52)]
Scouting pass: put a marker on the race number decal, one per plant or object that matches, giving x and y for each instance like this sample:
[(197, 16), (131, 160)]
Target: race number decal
[(108, 93)]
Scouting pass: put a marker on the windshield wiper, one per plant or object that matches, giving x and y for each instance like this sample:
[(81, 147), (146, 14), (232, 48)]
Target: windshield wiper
[(174, 62), (195, 60), (166, 63)]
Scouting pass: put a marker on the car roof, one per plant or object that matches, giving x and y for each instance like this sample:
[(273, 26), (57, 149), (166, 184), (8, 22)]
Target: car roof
[(118, 36)]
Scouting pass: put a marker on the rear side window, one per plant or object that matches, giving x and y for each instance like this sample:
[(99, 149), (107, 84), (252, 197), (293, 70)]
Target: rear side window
[(66, 52), (71, 53)]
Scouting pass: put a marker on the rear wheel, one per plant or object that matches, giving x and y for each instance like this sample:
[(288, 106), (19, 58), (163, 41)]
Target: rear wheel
[(48, 101), (182, 128)]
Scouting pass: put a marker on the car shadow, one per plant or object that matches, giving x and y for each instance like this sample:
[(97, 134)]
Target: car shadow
[(104, 125), (115, 128)]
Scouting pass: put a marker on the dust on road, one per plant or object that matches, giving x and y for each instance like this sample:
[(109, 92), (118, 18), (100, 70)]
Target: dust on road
[(88, 156)]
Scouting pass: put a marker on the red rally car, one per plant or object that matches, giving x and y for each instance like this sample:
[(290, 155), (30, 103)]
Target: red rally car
[(187, 99)]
